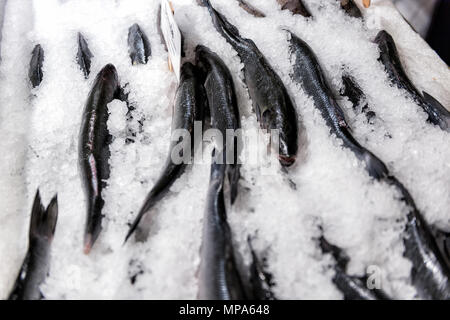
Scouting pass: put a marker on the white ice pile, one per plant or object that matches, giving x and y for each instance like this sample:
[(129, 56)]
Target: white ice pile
[(39, 140)]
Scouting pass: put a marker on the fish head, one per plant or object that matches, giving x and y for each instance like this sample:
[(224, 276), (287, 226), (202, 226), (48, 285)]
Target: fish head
[(108, 77), (383, 37)]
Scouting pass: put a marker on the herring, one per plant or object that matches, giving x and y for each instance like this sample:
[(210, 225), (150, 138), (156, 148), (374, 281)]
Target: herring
[(223, 109), (437, 113), (188, 108), (273, 106), (36, 264), (430, 274), (84, 56), (218, 275), (93, 149), (138, 45)]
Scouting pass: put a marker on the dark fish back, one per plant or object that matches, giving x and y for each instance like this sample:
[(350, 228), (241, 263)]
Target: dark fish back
[(139, 45), (84, 55)]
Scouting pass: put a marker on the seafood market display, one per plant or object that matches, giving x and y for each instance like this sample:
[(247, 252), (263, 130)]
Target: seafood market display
[(300, 151)]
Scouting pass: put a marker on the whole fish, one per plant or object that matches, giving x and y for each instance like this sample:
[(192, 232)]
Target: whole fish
[(437, 113), (357, 97), (273, 106), (261, 280), (84, 55), (138, 45), (35, 72), (353, 288), (223, 109), (350, 8), (218, 275), (308, 72), (295, 6), (251, 9), (93, 149), (430, 274), (188, 108), (36, 265)]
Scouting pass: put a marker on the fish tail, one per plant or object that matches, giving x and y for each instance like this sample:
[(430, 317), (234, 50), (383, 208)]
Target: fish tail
[(442, 117), (225, 28), (94, 223), (159, 190), (84, 55), (43, 220)]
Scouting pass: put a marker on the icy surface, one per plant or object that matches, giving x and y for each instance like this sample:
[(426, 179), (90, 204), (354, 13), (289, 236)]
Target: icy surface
[(39, 145)]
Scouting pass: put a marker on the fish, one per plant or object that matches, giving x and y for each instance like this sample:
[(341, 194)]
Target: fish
[(189, 106), (308, 73), (272, 103), (35, 72), (437, 113), (350, 7), (357, 97), (218, 276), (93, 149), (295, 6), (353, 288), (251, 9), (36, 264), (223, 109), (430, 275), (261, 280), (138, 45), (84, 55)]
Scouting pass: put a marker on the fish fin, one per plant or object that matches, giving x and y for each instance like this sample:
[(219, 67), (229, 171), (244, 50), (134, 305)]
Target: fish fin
[(338, 254), (137, 37), (35, 73), (43, 221), (376, 168), (261, 280), (84, 55)]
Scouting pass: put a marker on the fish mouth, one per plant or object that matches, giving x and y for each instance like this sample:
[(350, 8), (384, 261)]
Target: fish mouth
[(287, 161)]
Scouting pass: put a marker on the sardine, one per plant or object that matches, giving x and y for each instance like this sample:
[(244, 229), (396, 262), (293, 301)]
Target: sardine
[(93, 156), (430, 275), (35, 72), (357, 97), (261, 280), (84, 56), (295, 6), (223, 109), (251, 9), (353, 288), (36, 264), (218, 275), (138, 45), (350, 8), (437, 113), (189, 107), (273, 106)]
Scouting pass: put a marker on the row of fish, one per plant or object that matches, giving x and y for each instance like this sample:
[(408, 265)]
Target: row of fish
[(206, 92)]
